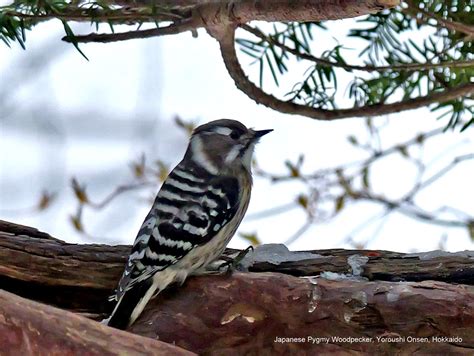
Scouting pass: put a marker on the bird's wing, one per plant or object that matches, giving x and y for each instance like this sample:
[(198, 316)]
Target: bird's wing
[(187, 212)]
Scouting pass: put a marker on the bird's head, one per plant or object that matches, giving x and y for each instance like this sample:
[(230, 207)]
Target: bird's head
[(223, 145)]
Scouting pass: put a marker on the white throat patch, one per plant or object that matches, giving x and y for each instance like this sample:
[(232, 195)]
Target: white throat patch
[(247, 158), (199, 157)]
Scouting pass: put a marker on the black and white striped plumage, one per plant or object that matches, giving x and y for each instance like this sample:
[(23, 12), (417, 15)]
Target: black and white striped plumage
[(195, 214)]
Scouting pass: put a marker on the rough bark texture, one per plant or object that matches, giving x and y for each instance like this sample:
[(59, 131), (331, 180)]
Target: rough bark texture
[(271, 10), (363, 294), (211, 14), (289, 10), (30, 328), (249, 311)]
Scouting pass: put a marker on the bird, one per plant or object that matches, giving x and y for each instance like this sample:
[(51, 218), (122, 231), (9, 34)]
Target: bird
[(196, 212)]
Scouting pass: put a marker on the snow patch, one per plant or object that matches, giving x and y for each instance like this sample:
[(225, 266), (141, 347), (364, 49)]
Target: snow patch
[(275, 254), (357, 263)]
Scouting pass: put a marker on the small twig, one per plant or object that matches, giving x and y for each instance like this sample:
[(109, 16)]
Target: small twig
[(414, 10), (118, 191), (411, 210), (445, 170), (271, 212), (456, 212), (298, 233), (327, 180), (175, 28), (374, 157), (79, 16), (365, 68), (360, 227)]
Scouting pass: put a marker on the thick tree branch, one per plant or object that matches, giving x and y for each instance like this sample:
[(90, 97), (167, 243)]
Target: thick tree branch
[(243, 11), (195, 14), (226, 37), (241, 313), (34, 265), (300, 11), (31, 328), (248, 312)]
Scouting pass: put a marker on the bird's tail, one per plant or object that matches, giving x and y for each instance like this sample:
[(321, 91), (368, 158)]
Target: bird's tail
[(131, 304)]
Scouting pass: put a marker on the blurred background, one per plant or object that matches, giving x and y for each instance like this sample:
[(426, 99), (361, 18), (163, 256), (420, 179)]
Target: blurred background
[(106, 130)]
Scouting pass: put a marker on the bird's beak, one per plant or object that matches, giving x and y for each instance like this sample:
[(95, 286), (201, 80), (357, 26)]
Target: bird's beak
[(260, 133)]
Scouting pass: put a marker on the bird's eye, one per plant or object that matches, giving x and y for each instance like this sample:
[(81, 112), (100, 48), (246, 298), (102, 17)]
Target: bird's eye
[(234, 135)]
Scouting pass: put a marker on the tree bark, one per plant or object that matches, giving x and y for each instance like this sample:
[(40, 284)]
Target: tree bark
[(250, 311), (30, 328), (363, 294), (194, 14), (269, 10)]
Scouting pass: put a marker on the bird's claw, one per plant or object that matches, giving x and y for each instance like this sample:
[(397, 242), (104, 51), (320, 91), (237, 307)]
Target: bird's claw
[(232, 263)]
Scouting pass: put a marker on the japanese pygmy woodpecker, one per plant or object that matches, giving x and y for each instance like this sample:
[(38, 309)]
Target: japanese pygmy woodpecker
[(195, 214)]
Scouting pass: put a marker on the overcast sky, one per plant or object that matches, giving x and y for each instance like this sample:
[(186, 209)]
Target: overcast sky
[(63, 116)]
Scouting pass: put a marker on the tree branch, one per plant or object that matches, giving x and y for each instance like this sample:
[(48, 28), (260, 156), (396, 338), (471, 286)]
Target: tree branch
[(220, 12), (408, 209), (366, 68), (443, 23), (191, 15), (339, 303), (173, 29), (31, 328), (81, 277), (375, 156), (226, 38), (248, 312)]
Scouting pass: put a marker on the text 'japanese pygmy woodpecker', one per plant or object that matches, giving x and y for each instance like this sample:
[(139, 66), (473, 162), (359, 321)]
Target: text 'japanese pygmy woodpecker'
[(195, 214)]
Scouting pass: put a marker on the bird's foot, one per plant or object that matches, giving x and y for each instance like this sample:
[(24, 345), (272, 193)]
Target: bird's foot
[(231, 264)]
